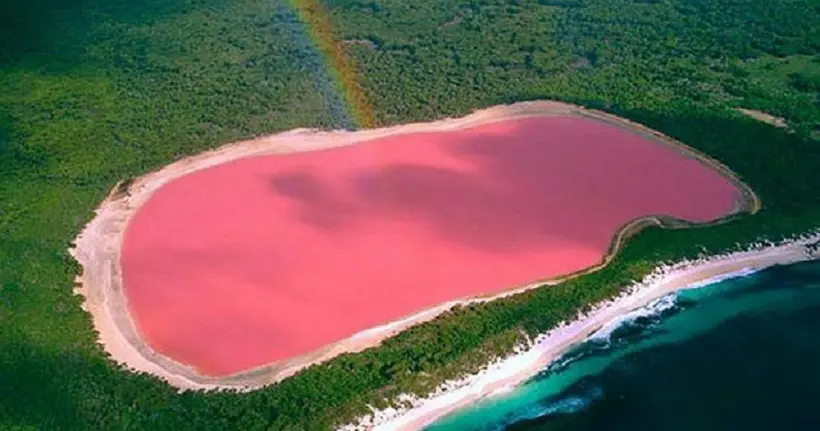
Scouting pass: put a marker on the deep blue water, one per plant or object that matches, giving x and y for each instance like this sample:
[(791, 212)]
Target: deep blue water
[(741, 354)]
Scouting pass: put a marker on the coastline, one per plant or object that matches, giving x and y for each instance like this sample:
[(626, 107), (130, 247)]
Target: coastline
[(97, 248), (504, 374)]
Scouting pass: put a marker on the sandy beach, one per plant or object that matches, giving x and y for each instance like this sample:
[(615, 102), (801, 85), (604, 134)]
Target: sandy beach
[(505, 374), (98, 247)]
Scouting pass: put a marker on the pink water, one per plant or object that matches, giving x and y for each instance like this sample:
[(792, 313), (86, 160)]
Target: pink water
[(267, 258)]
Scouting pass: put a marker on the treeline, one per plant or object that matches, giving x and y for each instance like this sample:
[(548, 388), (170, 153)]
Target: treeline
[(623, 52), (139, 84)]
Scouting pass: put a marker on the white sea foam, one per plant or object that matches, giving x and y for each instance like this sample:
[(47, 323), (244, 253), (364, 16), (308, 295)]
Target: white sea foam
[(564, 405), (654, 308), (573, 403)]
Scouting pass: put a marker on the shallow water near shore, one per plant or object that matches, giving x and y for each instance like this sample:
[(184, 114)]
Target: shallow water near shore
[(742, 353)]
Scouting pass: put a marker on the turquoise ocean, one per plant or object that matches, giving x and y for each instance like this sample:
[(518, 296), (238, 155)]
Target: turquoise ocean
[(739, 354)]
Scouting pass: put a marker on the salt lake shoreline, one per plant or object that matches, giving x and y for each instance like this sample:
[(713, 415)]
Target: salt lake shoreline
[(504, 374), (97, 248)]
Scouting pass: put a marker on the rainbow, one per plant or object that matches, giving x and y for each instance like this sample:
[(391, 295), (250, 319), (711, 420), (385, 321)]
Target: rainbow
[(312, 15)]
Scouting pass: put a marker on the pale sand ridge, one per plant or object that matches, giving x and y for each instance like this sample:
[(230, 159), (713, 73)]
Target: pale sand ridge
[(97, 248), (764, 117)]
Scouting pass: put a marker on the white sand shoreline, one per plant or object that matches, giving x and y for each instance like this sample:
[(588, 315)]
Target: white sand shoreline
[(505, 374)]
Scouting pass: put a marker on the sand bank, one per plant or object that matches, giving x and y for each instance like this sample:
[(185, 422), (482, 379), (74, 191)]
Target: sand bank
[(779, 122), (98, 246), (506, 373)]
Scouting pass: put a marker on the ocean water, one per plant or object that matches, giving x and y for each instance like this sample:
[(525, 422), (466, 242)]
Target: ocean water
[(740, 354)]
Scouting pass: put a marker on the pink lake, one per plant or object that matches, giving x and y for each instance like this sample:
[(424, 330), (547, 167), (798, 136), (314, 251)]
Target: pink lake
[(271, 257)]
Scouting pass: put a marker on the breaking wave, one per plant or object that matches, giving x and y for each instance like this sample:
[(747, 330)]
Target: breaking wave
[(565, 404)]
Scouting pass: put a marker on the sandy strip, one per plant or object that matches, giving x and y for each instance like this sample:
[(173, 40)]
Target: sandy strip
[(505, 374), (97, 248), (764, 117)]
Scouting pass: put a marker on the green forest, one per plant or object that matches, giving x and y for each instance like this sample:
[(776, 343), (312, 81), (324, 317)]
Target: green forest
[(94, 92)]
